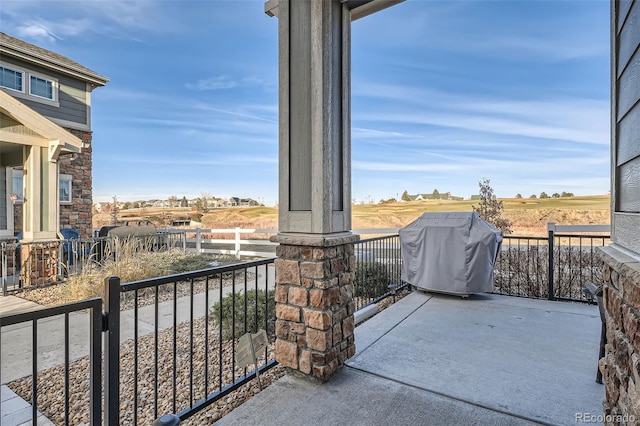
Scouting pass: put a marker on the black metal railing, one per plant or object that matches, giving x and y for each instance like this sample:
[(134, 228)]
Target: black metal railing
[(170, 344), (555, 267), (92, 375), (41, 263), (378, 270), (188, 360)]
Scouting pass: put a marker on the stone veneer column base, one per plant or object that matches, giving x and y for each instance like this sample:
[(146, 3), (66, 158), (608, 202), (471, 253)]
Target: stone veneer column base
[(314, 302), (621, 365)]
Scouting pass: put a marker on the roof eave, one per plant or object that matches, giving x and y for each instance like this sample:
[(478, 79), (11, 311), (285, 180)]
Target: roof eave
[(20, 53)]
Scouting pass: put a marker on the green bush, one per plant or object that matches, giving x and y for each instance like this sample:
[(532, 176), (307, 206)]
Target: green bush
[(235, 303), (372, 279)]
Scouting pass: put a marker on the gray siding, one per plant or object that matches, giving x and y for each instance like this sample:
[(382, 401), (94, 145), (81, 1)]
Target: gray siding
[(625, 115), (71, 95)]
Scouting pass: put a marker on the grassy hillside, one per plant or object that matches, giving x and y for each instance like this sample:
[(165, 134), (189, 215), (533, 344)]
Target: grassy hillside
[(529, 216)]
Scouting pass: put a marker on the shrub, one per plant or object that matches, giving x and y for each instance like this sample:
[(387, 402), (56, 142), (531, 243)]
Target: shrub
[(372, 280), (256, 313)]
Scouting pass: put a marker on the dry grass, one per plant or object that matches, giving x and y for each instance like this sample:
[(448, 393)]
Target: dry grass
[(128, 259), (529, 216)]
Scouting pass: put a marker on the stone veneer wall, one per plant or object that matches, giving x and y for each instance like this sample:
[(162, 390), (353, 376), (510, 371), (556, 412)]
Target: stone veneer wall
[(621, 365), (79, 214), (314, 307)]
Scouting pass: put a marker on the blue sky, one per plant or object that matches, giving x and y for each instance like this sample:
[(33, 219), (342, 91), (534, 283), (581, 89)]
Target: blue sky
[(444, 93)]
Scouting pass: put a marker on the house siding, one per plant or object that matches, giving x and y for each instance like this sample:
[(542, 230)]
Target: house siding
[(620, 366), (625, 124), (72, 95)]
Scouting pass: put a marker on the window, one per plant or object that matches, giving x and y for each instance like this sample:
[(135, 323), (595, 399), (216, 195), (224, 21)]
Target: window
[(11, 79), (16, 190), (41, 87), (27, 84), (65, 189)]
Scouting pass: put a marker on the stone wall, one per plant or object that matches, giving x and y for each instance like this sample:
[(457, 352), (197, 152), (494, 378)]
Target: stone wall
[(79, 214), (621, 365), (314, 307)]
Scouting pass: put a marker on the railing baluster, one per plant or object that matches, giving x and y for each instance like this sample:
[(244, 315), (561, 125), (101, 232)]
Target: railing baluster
[(66, 368), (135, 357), (34, 371)]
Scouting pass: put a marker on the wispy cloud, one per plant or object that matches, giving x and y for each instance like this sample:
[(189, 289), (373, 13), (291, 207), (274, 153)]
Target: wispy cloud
[(222, 82), (116, 19), (554, 117)]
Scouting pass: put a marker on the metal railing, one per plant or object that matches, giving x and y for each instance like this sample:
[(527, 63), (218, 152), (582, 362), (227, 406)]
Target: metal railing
[(41, 263), (93, 375), (555, 267), (170, 344), (188, 360), (378, 270)]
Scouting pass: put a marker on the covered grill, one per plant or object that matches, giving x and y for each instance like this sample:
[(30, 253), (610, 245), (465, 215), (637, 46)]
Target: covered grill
[(450, 253)]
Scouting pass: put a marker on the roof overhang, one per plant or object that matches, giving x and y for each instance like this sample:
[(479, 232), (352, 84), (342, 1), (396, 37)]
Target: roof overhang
[(29, 128), (359, 8), (11, 49)]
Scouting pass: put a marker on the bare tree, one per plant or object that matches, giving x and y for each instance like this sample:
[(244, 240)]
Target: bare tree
[(490, 208)]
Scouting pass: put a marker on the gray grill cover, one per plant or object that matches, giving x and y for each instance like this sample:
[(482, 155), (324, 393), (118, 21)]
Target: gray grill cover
[(450, 253)]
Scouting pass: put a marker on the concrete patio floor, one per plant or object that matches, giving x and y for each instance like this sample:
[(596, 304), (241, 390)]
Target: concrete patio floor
[(442, 360)]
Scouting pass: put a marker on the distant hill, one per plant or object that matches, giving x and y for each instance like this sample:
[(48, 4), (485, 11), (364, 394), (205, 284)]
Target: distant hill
[(529, 216)]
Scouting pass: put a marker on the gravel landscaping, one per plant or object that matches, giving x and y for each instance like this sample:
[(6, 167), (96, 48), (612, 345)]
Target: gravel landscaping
[(191, 365), (194, 365)]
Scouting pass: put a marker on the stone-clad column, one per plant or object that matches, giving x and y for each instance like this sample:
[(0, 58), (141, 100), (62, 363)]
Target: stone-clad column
[(314, 291), (314, 272), (314, 304)]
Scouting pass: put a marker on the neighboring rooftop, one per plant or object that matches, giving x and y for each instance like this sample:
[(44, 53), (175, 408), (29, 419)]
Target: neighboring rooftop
[(16, 48)]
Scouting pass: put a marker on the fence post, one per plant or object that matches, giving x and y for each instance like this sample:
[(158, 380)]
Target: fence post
[(4, 269), (237, 242), (551, 228), (112, 352), (198, 240)]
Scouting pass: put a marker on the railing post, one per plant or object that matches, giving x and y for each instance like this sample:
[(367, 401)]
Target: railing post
[(4, 269), (198, 240), (551, 230), (237, 242), (112, 352)]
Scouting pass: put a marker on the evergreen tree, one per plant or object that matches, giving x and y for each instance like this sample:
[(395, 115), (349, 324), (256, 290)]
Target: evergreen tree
[(405, 196), (490, 209)]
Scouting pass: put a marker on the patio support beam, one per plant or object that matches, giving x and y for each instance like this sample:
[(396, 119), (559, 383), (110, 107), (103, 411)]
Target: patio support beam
[(315, 269)]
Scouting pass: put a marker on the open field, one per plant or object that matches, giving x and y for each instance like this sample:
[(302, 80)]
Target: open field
[(529, 216)]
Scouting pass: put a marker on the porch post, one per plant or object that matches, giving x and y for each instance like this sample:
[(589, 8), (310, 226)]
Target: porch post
[(40, 195), (39, 262), (314, 271)]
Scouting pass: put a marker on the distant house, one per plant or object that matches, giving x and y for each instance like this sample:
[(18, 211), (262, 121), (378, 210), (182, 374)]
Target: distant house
[(45, 141), (432, 196)]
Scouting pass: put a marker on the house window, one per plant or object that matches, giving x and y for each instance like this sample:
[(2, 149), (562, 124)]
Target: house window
[(11, 79), (27, 84), (41, 87), (16, 187), (65, 189)]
